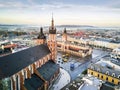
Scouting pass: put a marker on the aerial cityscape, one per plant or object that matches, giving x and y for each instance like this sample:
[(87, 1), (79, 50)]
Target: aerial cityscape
[(60, 45)]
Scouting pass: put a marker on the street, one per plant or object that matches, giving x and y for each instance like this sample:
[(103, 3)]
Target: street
[(80, 64)]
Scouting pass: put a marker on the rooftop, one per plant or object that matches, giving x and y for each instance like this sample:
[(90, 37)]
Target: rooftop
[(107, 86), (109, 62), (33, 83), (13, 63), (48, 70), (104, 70)]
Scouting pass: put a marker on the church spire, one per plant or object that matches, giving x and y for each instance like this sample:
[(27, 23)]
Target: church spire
[(52, 23), (52, 29)]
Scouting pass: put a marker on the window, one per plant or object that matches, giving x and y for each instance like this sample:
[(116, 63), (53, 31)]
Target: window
[(98, 75), (107, 72), (118, 76), (101, 76), (106, 78), (98, 69), (113, 80), (113, 74), (92, 67), (91, 73)]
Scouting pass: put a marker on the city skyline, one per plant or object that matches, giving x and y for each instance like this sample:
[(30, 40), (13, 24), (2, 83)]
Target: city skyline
[(73, 12)]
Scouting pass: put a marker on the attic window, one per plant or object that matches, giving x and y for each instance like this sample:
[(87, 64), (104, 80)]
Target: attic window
[(107, 72), (92, 67), (98, 69), (113, 74), (118, 76)]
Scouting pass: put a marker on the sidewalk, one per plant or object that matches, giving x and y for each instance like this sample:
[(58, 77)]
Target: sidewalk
[(62, 80)]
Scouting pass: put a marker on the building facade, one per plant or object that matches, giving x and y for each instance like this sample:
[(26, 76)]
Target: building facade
[(100, 43), (66, 46), (104, 73)]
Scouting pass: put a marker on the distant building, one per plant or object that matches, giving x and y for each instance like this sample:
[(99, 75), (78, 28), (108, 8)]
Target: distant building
[(34, 68), (106, 69), (100, 42), (116, 53), (6, 48), (68, 47)]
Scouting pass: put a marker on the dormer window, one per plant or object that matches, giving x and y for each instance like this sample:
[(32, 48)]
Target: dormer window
[(98, 69), (113, 74), (119, 76), (107, 72), (92, 67)]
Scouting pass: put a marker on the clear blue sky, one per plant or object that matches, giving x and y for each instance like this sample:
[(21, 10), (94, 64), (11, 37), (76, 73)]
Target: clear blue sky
[(81, 12)]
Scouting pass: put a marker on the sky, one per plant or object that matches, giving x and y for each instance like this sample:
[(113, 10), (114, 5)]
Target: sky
[(65, 12)]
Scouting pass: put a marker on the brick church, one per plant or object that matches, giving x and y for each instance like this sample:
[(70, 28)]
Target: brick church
[(34, 68)]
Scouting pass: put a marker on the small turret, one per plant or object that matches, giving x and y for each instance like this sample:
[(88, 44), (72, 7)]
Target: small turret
[(41, 34), (41, 39), (64, 35), (65, 31)]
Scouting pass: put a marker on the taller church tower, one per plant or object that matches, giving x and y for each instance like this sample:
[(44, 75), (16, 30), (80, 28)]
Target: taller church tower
[(52, 41)]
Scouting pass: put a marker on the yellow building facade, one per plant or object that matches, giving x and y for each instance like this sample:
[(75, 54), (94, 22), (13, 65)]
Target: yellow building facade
[(105, 76)]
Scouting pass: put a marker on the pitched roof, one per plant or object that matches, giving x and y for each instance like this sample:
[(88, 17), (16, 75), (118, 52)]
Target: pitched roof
[(103, 70), (107, 86), (33, 83), (48, 70), (13, 63)]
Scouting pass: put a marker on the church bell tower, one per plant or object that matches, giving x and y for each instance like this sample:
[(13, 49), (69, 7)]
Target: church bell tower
[(52, 41)]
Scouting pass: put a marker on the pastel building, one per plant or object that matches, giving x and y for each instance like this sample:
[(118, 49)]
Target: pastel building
[(107, 69)]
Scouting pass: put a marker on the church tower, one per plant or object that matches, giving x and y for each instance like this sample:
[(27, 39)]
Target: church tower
[(64, 40), (52, 41), (41, 39), (64, 36)]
